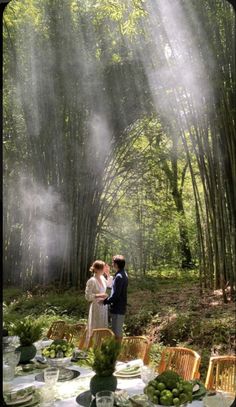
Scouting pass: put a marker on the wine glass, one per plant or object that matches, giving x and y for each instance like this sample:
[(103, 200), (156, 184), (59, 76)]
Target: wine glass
[(16, 357), (147, 373), (8, 372), (10, 361), (38, 346)]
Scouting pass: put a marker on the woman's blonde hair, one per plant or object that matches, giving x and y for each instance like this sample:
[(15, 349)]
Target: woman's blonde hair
[(97, 265)]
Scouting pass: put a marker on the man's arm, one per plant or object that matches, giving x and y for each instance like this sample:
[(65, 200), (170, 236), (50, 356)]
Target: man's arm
[(118, 284)]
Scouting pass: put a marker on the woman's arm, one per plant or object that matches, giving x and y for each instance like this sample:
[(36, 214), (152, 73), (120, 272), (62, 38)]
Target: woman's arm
[(109, 278), (102, 296), (90, 290), (109, 281)]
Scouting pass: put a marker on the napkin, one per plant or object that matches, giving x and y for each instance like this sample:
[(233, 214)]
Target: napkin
[(136, 362)]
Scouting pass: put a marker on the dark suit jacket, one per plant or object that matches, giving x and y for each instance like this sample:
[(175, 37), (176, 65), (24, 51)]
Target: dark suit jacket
[(118, 297)]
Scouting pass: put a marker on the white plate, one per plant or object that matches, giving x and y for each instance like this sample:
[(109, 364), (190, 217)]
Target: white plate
[(123, 376), (35, 401), (19, 401)]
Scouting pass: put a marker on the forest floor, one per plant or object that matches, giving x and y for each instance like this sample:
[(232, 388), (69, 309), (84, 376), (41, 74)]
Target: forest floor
[(165, 305)]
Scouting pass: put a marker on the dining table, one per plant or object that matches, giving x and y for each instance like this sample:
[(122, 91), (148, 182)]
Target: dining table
[(66, 392)]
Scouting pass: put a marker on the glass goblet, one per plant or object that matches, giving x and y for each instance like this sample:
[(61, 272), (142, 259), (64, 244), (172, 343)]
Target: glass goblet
[(8, 372), (16, 357), (47, 396), (38, 346), (147, 373), (105, 399), (51, 375)]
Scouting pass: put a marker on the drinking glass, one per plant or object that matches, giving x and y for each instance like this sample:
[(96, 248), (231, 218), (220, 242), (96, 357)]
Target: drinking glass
[(47, 396), (51, 375), (105, 399), (38, 346), (10, 361), (15, 341), (147, 374), (16, 357), (8, 372)]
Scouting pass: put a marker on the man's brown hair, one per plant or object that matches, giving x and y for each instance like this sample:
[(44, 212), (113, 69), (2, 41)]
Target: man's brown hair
[(119, 260)]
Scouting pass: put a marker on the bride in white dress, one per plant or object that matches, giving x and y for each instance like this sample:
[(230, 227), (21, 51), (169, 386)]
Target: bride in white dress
[(95, 293)]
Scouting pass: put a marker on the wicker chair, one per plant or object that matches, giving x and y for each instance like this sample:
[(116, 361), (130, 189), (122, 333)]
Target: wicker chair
[(56, 330), (183, 361), (135, 347), (221, 374), (98, 335), (77, 333)]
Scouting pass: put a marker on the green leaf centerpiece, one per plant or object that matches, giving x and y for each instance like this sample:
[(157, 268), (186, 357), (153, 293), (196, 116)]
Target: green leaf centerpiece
[(103, 364)]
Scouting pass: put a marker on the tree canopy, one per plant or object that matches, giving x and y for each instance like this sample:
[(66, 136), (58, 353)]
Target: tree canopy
[(119, 135)]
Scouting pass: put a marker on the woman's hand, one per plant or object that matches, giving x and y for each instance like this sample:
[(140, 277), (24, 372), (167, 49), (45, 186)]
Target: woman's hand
[(102, 296), (106, 270)]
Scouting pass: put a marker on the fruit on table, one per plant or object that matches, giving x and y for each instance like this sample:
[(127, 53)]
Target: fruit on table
[(169, 389), (160, 386), (58, 347)]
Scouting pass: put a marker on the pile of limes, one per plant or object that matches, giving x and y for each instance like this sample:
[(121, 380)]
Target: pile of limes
[(169, 389), (58, 349)]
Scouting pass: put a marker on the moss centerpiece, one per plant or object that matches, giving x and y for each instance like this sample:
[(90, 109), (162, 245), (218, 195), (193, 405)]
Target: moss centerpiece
[(103, 364)]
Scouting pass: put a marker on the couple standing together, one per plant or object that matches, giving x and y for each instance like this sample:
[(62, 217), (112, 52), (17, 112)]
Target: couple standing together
[(95, 293)]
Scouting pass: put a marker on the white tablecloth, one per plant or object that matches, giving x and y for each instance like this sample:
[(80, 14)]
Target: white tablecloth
[(81, 383)]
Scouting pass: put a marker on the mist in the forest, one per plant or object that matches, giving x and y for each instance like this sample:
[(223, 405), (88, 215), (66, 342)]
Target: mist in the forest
[(46, 228), (77, 105), (174, 65)]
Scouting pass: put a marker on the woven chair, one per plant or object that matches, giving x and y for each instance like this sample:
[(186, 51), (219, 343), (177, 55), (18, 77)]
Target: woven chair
[(98, 335), (221, 374), (56, 330), (77, 333), (82, 341), (183, 361), (135, 347)]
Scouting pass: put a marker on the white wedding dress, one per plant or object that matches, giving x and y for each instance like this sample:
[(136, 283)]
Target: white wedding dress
[(98, 313)]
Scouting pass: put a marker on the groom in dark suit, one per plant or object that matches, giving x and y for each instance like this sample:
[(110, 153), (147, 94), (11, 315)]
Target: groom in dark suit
[(118, 298)]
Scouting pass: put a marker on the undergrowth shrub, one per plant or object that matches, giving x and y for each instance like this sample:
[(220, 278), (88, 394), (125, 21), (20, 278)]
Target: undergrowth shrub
[(177, 329), (155, 353), (135, 324), (64, 306), (12, 293)]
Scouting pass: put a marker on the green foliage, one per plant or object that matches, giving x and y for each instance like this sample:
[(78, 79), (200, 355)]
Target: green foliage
[(70, 303), (105, 357), (89, 361), (169, 378), (28, 330), (135, 323), (155, 353), (12, 294), (177, 330)]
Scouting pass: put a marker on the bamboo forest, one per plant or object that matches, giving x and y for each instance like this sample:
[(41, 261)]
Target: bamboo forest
[(119, 138)]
